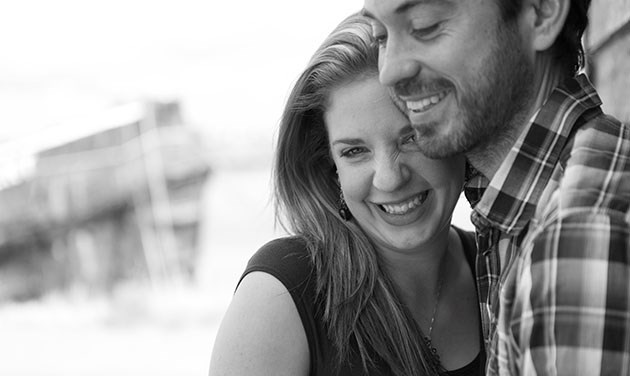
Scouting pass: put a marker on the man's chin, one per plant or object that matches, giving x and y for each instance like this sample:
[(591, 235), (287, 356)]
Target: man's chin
[(438, 147), (432, 142)]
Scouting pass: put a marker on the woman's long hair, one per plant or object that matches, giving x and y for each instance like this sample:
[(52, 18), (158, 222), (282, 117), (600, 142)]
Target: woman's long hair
[(361, 306)]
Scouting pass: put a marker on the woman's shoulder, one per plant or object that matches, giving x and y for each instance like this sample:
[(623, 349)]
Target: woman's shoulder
[(287, 259), (467, 237), (280, 250), (469, 244), (265, 328), (287, 252)]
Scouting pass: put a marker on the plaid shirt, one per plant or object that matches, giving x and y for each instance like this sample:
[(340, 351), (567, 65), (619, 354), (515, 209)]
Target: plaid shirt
[(554, 243)]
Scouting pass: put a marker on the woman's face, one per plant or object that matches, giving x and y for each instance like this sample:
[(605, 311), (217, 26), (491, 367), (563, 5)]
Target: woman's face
[(399, 197)]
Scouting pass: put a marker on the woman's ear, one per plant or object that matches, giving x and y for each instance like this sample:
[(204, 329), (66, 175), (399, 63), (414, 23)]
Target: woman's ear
[(547, 18)]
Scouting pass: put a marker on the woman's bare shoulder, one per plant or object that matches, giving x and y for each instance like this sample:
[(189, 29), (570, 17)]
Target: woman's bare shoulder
[(261, 333)]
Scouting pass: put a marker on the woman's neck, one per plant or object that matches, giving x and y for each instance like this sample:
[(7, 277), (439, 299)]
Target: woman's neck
[(417, 274)]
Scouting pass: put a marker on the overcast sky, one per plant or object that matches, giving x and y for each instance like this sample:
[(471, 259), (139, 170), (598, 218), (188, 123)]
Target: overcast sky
[(230, 63)]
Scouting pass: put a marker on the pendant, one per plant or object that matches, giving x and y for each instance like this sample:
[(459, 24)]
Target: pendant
[(433, 350)]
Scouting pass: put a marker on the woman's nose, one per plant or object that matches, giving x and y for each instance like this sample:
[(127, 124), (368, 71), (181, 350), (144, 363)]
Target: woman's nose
[(389, 174)]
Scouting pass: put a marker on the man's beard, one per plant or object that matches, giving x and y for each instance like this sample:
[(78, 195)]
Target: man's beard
[(488, 105)]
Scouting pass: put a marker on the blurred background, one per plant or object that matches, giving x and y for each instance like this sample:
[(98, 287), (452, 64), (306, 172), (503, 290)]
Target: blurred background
[(135, 144)]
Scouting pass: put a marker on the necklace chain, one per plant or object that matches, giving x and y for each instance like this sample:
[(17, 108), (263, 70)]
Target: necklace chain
[(427, 338), (437, 302)]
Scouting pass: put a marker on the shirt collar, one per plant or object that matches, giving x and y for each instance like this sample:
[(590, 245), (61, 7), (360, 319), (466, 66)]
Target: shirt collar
[(509, 200)]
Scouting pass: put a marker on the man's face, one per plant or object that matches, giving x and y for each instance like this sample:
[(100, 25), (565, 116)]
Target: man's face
[(455, 67)]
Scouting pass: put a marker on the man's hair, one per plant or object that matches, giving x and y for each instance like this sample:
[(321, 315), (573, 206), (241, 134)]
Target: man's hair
[(568, 48)]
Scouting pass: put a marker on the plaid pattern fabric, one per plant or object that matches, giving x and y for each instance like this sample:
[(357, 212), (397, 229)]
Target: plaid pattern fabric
[(554, 243)]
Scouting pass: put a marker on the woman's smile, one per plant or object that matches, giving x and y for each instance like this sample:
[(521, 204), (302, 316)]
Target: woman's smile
[(405, 212), (404, 206)]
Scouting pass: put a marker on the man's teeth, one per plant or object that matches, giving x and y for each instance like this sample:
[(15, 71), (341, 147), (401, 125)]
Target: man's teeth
[(425, 103), (405, 207)]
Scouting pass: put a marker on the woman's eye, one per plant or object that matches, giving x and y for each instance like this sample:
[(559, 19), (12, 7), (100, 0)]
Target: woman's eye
[(410, 139), (410, 143), (425, 32), (352, 152)]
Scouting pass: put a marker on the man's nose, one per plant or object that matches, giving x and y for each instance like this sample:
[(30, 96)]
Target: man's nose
[(396, 63)]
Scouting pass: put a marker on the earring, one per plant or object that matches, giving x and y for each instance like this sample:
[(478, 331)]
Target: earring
[(344, 211)]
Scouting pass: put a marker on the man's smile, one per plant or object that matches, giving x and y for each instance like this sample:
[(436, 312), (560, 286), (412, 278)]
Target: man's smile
[(425, 103)]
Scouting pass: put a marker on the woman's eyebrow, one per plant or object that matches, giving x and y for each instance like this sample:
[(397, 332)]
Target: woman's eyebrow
[(347, 141)]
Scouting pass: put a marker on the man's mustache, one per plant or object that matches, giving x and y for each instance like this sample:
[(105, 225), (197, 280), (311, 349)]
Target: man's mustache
[(421, 87)]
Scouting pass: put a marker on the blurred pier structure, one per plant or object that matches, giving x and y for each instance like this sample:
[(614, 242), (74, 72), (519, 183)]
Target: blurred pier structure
[(608, 50), (119, 201)]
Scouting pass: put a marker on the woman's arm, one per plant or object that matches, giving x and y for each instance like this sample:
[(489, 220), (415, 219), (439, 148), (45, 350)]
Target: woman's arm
[(261, 333)]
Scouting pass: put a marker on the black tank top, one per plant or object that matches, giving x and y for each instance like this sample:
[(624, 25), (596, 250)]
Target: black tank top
[(288, 260)]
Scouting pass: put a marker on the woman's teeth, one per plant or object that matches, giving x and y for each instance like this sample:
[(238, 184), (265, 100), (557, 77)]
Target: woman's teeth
[(426, 103), (405, 207)]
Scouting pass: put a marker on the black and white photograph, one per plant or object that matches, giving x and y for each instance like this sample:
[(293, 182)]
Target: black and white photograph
[(330, 188)]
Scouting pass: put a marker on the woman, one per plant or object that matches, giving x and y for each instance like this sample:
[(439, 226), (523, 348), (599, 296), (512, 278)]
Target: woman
[(375, 280)]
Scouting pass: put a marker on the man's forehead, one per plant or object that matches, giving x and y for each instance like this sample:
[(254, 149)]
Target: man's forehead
[(398, 7)]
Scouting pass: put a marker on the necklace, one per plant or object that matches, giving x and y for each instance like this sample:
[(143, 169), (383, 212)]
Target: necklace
[(427, 338)]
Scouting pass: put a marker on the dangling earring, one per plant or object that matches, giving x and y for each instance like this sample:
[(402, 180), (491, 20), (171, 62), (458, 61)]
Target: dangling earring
[(344, 212)]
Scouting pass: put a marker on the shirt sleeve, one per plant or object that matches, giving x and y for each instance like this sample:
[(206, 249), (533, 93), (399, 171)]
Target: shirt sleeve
[(569, 296)]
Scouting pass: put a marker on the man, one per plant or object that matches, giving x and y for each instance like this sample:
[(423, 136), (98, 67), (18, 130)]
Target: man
[(499, 81)]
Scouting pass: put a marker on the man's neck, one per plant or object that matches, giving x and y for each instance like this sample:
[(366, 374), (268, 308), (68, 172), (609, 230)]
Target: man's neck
[(488, 158)]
